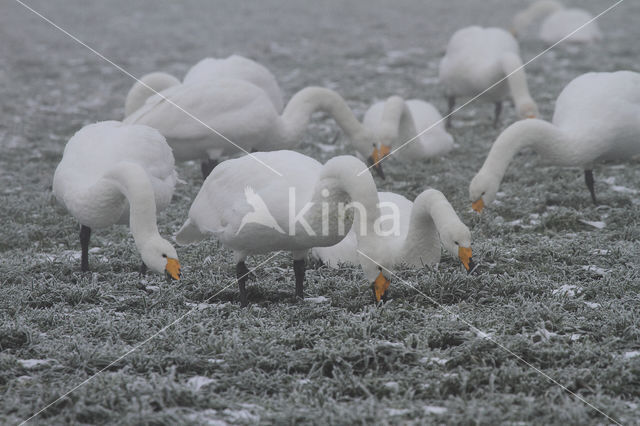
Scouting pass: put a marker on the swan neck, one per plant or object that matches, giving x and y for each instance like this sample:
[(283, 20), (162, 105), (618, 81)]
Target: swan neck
[(133, 182), (516, 79), (297, 113), (540, 135), (397, 121), (430, 214), (535, 11)]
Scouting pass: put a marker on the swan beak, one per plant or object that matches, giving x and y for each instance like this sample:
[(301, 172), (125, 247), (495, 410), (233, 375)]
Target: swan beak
[(478, 205), (376, 165), (173, 268), (531, 116), (380, 287), (464, 253)]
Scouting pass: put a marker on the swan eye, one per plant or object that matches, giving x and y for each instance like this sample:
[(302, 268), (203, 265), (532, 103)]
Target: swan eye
[(456, 243), (164, 255), (483, 192)]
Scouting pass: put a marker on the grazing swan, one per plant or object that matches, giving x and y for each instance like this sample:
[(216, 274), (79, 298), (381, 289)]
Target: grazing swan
[(557, 23), (244, 115), (396, 121), (234, 67), (597, 118), (239, 67), (305, 207), (477, 58), (416, 240), (113, 173)]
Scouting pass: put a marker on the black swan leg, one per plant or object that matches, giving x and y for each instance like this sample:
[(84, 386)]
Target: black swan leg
[(242, 273), (207, 167), (498, 111), (298, 269), (452, 103), (85, 235), (588, 179)]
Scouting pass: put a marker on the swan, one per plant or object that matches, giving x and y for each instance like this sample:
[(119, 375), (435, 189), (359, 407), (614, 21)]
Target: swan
[(557, 23), (309, 202), (422, 225), (597, 118), (113, 173), (477, 58), (396, 121), (243, 117), (234, 66)]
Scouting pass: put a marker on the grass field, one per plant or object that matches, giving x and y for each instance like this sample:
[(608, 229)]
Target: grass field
[(559, 296)]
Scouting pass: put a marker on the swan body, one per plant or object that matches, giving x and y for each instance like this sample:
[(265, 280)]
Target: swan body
[(477, 58), (304, 203), (396, 121), (238, 67), (422, 226), (232, 67), (112, 173), (558, 23), (597, 118), (242, 116)]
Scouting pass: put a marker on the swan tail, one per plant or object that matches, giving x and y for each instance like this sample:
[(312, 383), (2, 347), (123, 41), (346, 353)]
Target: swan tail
[(189, 233)]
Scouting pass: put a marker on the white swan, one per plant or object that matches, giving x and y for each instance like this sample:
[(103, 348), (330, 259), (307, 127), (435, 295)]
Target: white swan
[(396, 121), (421, 226), (309, 202), (597, 118), (233, 67), (243, 113), (112, 173), (477, 58), (558, 23), (238, 67)]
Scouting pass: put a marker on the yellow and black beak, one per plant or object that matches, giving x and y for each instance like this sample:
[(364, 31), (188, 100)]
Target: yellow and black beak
[(380, 287), (376, 158), (173, 268), (478, 205), (464, 253)]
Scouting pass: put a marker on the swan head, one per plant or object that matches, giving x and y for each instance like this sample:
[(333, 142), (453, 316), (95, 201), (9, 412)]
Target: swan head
[(368, 145), (456, 239), (377, 276), (483, 189), (527, 109), (160, 256)]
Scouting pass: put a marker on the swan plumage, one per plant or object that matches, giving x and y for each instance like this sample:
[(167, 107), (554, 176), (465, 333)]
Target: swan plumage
[(242, 116), (596, 119), (558, 23), (294, 200), (396, 121), (238, 67), (477, 58), (113, 173), (423, 225)]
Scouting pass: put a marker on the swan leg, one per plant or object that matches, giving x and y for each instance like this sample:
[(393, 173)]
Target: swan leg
[(298, 269), (242, 273), (85, 235), (207, 167), (452, 103), (588, 178), (143, 269), (496, 118)]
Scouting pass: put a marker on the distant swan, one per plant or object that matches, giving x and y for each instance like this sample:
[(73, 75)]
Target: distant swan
[(477, 58), (558, 23), (597, 118), (396, 122), (112, 173)]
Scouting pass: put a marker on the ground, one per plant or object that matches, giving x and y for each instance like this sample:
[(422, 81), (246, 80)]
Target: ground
[(556, 297)]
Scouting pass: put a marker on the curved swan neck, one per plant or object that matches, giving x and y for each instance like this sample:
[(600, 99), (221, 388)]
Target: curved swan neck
[(540, 135), (535, 11), (297, 113), (133, 182), (342, 173), (397, 121), (146, 87), (430, 214)]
